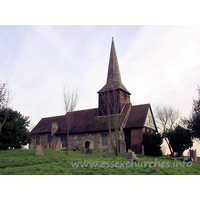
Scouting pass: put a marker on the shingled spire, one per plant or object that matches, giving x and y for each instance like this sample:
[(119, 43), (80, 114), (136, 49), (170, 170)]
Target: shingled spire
[(113, 93), (113, 77)]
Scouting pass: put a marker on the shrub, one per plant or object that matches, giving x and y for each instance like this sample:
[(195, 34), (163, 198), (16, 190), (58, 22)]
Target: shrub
[(180, 139), (152, 144)]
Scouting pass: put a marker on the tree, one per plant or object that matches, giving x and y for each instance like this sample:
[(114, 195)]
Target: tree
[(111, 110), (4, 101), (166, 116), (70, 99), (14, 133), (152, 144), (193, 123), (180, 139)]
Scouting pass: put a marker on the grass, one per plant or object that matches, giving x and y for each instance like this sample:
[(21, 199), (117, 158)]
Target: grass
[(24, 162)]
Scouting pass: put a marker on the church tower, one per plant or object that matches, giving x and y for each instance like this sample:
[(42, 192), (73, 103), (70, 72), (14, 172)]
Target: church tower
[(113, 95)]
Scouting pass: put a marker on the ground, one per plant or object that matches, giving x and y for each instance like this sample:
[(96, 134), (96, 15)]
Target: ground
[(22, 161)]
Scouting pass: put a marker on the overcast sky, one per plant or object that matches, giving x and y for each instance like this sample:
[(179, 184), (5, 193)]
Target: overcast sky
[(158, 65)]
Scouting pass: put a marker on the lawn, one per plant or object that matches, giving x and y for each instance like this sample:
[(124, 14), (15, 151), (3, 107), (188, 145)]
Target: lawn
[(24, 162)]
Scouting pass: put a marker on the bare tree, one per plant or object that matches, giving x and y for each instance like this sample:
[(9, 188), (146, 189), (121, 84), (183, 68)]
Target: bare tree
[(166, 116), (4, 100), (70, 99), (111, 108)]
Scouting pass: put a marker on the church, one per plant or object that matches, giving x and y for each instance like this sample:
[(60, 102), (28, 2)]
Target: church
[(90, 128)]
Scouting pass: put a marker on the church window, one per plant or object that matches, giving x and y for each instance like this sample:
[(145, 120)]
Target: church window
[(64, 141), (104, 139), (48, 138), (37, 140), (125, 97)]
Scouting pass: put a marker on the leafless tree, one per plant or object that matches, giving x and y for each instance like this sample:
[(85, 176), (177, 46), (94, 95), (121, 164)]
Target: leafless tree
[(70, 99), (166, 116), (111, 108), (5, 99)]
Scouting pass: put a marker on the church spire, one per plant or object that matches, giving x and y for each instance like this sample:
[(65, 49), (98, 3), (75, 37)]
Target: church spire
[(113, 69), (113, 95), (113, 77)]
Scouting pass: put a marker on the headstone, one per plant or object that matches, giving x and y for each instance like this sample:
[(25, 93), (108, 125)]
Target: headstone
[(122, 146), (38, 150), (54, 145), (46, 145), (58, 144), (142, 149), (32, 145), (193, 155), (100, 146), (131, 155)]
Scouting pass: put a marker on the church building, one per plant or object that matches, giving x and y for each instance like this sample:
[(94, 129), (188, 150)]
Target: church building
[(90, 128)]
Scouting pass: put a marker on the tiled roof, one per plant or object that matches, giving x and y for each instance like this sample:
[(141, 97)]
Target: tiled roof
[(137, 116), (83, 121), (86, 121)]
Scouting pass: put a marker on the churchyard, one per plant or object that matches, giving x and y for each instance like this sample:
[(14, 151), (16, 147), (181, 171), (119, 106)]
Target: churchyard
[(52, 162)]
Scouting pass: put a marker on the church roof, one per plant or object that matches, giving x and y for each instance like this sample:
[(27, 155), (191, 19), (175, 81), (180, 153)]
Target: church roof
[(86, 121), (137, 116), (113, 77)]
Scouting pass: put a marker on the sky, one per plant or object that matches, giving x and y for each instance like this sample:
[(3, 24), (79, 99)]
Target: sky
[(159, 64)]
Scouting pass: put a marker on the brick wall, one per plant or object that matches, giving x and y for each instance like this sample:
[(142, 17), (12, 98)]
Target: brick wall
[(136, 139)]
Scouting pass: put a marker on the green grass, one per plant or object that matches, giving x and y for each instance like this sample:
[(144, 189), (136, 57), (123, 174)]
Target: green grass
[(19, 161)]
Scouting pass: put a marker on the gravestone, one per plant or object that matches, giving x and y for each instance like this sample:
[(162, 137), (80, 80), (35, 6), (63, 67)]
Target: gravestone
[(193, 155), (122, 146), (100, 146), (58, 144), (31, 145), (131, 155), (54, 145), (142, 149), (46, 145), (38, 150)]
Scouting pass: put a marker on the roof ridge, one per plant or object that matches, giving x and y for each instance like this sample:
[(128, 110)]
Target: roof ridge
[(142, 104), (84, 110)]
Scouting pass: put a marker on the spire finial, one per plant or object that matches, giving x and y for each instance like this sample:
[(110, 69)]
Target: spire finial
[(112, 38)]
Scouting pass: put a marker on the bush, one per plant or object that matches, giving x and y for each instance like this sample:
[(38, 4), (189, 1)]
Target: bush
[(14, 133), (180, 139), (152, 144)]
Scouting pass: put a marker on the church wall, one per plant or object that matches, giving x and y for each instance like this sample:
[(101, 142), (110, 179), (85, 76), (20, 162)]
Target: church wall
[(77, 141), (39, 139)]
